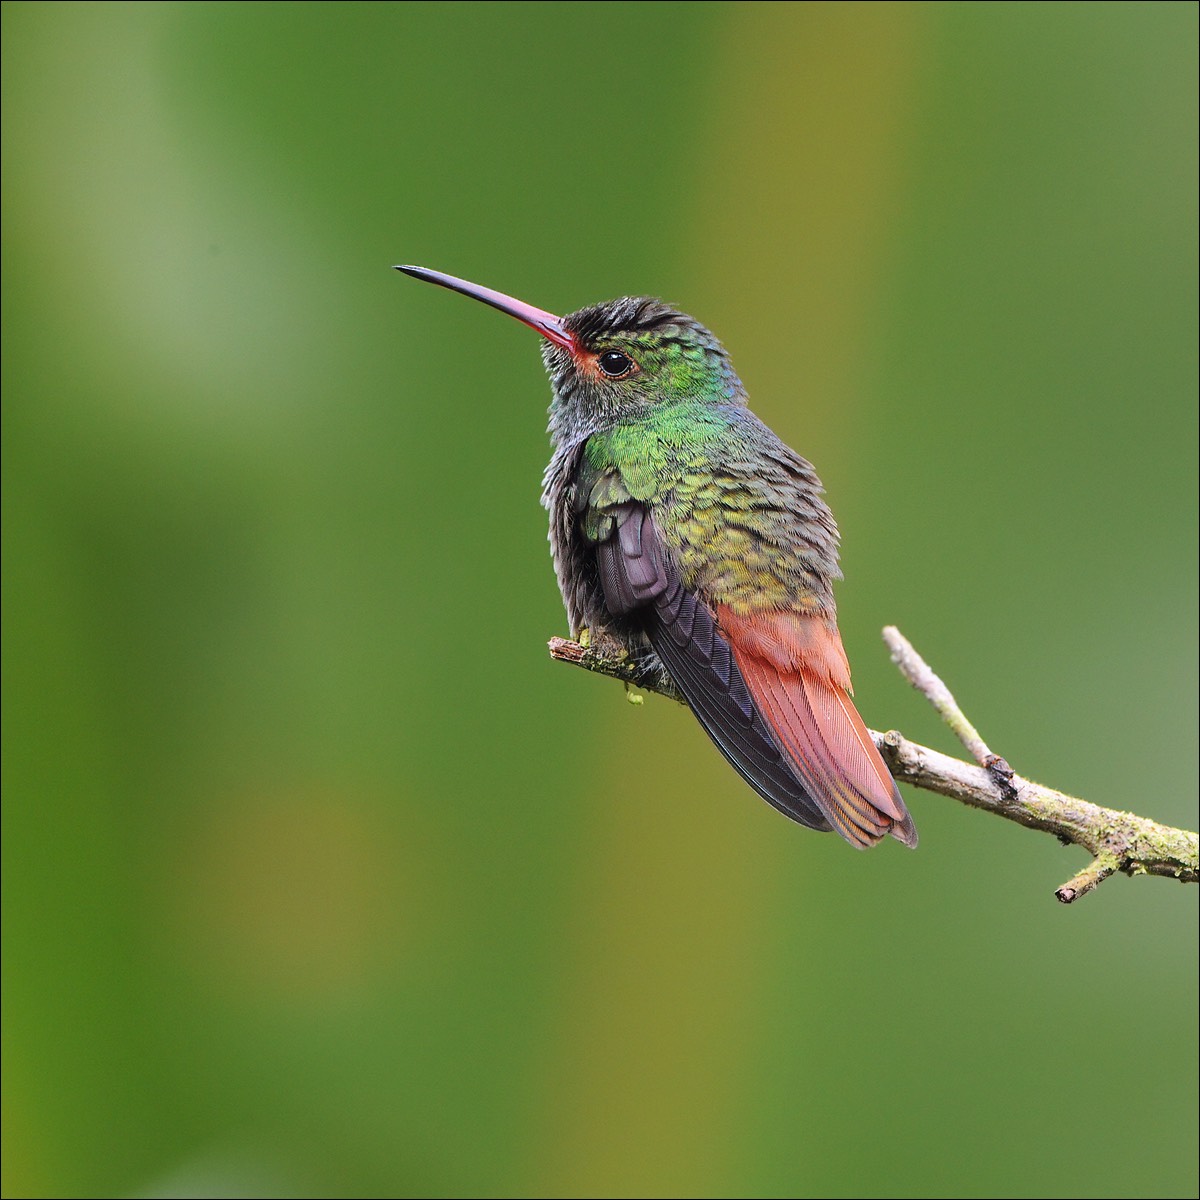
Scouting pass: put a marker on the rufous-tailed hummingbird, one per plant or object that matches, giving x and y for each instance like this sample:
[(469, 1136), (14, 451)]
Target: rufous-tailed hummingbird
[(687, 534)]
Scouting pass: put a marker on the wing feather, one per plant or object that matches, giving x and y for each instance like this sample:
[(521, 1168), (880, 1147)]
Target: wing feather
[(639, 580)]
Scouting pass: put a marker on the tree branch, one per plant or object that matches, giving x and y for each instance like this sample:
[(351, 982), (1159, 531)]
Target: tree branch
[(1117, 841)]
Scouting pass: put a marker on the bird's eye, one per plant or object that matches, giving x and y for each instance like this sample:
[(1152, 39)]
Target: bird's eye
[(616, 365)]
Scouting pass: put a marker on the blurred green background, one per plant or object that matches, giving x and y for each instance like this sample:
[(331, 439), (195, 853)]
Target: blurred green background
[(318, 876)]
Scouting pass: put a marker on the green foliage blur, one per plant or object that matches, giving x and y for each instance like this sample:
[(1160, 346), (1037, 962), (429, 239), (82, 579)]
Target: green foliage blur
[(319, 877)]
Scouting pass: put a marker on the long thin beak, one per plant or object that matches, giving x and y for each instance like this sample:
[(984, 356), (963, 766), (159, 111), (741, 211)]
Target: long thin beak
[(547, 324)]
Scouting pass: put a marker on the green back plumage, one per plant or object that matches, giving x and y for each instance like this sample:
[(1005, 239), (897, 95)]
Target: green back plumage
[(727, 496)]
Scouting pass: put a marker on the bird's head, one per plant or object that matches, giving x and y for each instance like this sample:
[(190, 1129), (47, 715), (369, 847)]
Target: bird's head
[(610, 363)]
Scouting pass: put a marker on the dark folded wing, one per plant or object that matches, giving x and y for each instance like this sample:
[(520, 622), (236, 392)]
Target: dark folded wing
[(639, 580)]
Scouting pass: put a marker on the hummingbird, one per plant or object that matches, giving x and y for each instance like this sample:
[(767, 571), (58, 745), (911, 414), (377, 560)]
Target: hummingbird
[(688, 536)]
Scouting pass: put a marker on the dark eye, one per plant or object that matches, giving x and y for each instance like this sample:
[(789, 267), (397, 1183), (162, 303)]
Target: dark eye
[(616, 365)]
